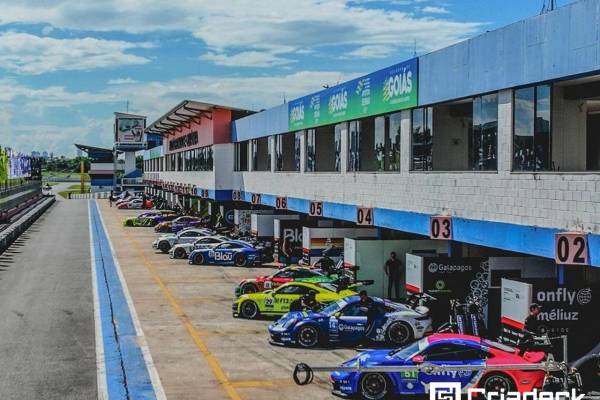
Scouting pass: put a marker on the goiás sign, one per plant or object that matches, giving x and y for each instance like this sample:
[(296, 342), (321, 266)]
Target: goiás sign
[(387, 90)]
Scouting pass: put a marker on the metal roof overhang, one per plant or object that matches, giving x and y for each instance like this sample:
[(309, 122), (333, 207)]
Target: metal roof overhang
[(182, 114)]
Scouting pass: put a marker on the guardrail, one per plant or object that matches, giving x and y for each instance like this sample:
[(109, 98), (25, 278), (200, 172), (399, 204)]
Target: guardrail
[(12, 232), (91, 195), (14, 197)]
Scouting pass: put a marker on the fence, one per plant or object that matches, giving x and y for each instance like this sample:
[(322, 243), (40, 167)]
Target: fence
[(93, 195)]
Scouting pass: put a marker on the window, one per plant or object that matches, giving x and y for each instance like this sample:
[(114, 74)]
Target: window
[(354, 310), (374, 144), (293, 289), (484, 138), (241, 156), (532, 128), (287, 152), (422, 139), (310, 150), (261, 155), (452, 352)]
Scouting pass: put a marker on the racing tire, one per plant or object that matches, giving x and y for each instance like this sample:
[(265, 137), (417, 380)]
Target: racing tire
[(497, 382), (249, 310), (240, 260), (399, 333), (179, 253), (249, 288), (198, 259), (128, 223), (375, 386), (164, 246), (308, 336)]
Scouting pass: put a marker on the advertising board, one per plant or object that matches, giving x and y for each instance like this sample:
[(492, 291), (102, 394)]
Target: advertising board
[(129, 129), (389, 89)]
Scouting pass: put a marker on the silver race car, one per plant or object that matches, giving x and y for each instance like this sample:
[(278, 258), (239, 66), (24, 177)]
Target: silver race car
[(165, 242), (183, 250)]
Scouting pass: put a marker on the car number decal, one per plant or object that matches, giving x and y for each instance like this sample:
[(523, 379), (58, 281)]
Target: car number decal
[(269, 302)]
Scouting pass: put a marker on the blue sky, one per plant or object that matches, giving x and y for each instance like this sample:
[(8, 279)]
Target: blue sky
[(67, 65)]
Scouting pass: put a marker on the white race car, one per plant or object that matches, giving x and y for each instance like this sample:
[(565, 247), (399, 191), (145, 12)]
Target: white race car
[(183, 250), (165, 242)]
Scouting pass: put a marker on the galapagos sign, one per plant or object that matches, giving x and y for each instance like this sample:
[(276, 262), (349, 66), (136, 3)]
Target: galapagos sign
[(390, 89)]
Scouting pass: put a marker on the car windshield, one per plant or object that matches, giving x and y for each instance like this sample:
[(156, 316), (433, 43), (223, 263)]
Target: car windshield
[(333, 307), (328, 286), (407, 352)]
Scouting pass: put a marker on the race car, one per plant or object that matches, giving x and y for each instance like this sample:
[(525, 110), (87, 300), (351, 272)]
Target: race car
[(345, 320), (277, 302), (449, 349), (133, 204), (177, 224), (165, 242), (183, 250), (289, 274), (232, 252), (148, 218)]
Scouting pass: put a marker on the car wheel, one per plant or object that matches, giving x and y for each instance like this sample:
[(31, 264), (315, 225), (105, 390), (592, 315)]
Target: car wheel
[(198, 259), (129, 223), (308, 336), (249, 309), (374, 386), (240, 260), (399, 333), (249, 288), (179, 253), (164, 246), (498, 382)]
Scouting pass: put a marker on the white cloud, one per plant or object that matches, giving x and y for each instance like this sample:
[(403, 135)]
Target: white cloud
[(121, 81), (372, 51), (259, 59), (271, 26), (435, 10), (29, 54)]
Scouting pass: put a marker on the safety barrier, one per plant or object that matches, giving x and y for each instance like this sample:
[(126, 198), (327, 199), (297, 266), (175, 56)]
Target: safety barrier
[(92, 195), (12, 232)]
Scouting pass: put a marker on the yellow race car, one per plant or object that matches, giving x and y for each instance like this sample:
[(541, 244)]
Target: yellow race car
[(277, 302)]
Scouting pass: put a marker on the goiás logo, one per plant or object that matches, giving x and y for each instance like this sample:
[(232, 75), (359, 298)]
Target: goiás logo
[(338, 102), (397, 85), (297, 113)]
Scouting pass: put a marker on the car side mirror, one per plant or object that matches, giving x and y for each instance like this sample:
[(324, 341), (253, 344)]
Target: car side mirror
[(337, 314), (418, 359)]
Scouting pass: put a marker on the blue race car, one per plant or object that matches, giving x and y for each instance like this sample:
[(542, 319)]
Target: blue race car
[(344, 322), (442, 349), (232, 252)]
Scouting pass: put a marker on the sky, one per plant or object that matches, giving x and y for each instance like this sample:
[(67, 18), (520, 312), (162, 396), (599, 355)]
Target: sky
[(67, 65)]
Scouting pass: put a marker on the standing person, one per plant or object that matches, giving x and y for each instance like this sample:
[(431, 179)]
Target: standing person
[(111, 198), (286, 249), (531, 328), (367, 305), (393, 269)]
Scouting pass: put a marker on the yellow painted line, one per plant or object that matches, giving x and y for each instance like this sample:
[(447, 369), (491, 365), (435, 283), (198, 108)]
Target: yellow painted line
[(212, 361), (262, 384), (236, 332)]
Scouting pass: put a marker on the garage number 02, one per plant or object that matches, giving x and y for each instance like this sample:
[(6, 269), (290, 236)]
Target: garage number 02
[(571, 248)]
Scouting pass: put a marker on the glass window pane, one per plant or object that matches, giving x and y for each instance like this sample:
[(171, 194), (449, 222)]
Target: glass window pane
[(379, 144), (297, 144), (340, 129), (393, 149), (353, 146), (422, 139), (542, 129), (524, 111), (310, 150)]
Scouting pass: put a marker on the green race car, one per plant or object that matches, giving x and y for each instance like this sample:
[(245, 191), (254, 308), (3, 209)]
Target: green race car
[(149, 218), (283, 276), (275, 303)]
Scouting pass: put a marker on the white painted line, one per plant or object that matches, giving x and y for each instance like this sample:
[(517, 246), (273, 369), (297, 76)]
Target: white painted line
[(100, 362), (154, 377)]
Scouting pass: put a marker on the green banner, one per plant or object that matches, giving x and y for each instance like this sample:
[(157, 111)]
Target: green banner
[(387, 90), (3, 165)]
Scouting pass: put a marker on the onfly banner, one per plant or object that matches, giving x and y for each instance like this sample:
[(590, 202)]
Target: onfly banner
[(387, 90)]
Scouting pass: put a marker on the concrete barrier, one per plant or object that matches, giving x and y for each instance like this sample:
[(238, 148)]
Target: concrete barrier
[(16, 228)]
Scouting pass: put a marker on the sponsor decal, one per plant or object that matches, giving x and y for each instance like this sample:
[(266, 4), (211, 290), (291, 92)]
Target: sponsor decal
[(453, 390)]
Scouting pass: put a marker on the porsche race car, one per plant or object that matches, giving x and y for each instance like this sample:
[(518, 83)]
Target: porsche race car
[(148, 218), (231, 252), (344, 322), (133, 204), (177, 224), (439, 349), (165, 242), (276, 303), (183, 250), (289, 274)]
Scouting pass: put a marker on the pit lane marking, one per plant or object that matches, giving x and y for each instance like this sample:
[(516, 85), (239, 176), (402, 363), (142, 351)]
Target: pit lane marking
[(212, 361), (262, 384)]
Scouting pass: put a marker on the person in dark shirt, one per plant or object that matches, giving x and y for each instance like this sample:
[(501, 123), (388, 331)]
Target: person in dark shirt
[(325, 263), (393, 269), (531, 322)]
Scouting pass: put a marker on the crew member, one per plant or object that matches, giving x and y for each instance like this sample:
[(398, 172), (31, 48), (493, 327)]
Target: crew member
[(309, 301), (111, 198), (286, 249), (530, 329), (325, 263), (393, 269)]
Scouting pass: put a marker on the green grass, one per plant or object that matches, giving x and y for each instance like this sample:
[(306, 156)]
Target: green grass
[(77, 188), (65, 175)]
